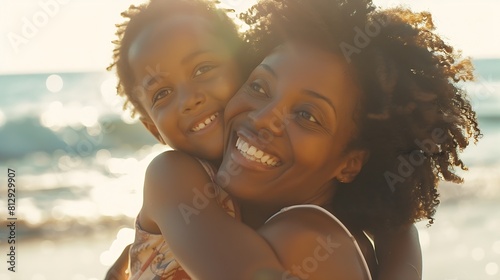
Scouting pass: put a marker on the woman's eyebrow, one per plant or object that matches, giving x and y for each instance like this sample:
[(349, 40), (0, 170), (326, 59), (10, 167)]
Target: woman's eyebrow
[(269, 69), (319, 96)]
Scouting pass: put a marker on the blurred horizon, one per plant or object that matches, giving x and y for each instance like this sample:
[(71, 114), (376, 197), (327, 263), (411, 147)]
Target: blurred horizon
[(41, 36)]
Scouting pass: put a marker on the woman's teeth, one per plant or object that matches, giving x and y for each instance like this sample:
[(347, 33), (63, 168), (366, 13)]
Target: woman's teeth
[(254, 154), (205, 123)]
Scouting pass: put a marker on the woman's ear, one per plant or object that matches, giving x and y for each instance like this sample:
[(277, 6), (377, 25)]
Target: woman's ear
[(352, 166), (151, 127)]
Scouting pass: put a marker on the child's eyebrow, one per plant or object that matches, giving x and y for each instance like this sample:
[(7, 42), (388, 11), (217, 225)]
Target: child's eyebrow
[(194, 54), (149, 82)]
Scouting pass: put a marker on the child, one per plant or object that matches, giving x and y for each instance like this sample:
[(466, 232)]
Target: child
[(179, 62), (180, 90)]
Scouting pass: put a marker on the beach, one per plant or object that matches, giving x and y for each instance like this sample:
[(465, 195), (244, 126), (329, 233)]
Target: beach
[(80, 162)]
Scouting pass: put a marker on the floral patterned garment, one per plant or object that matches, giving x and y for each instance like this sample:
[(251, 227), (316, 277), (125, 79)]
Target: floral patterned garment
[(150, 255)]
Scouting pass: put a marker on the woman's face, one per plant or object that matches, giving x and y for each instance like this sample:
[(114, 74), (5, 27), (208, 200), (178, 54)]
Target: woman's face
[(288, 126)]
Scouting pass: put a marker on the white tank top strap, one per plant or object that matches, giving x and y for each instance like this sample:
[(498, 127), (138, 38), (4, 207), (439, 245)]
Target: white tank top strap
[(208, 168), (313, 206)]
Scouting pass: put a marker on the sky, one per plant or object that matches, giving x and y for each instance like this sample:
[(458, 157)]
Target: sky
[(42, 36)]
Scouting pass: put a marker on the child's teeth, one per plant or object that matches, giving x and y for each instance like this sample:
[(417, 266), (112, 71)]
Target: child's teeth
[(264, 159), (205, 123), (244, 147), (259, 154)]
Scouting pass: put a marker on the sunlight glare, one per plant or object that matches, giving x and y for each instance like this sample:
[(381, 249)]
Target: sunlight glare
[(88, 116), (124, 237), (110, 96), (51, 118), (2, 119), (30, 212), (425, 239), (127, 118)]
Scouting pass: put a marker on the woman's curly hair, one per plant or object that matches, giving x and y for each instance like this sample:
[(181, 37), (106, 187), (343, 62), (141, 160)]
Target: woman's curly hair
[(138, 18), (413, 118)]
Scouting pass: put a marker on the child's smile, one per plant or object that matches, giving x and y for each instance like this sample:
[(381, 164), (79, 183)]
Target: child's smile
[(205, 123)]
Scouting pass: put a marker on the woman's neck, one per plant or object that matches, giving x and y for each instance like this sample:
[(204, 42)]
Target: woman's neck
[(254, 215)]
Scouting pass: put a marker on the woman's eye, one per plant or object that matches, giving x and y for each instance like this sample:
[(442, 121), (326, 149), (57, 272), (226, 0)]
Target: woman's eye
[(307, 116), (161, 94), (203, 69), (258, 88)]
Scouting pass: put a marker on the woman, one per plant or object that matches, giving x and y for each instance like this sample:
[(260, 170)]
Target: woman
[(378, 124)]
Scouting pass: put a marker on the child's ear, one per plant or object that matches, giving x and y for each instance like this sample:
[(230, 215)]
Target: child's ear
[(151, 127), (353, 165)]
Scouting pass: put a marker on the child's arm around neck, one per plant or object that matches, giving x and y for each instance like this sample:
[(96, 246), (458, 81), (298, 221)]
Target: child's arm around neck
[(199, 232)]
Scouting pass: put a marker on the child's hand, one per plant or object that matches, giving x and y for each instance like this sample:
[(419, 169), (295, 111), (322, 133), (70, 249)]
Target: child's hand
[(119, 270), (399, 253)]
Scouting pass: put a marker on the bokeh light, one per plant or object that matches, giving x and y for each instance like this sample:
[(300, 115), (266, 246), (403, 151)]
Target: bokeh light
[(54, 83), (491, 268)]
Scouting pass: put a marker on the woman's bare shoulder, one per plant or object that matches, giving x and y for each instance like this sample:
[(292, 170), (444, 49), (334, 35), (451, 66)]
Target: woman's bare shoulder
[(313, 245)]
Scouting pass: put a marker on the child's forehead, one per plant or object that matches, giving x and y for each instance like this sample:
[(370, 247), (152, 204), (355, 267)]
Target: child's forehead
[(171, 29)]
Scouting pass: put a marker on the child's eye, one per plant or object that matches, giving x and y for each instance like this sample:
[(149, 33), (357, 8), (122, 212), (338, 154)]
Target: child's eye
[(161, 93), (203, 69), (255, 86), (307, 116)]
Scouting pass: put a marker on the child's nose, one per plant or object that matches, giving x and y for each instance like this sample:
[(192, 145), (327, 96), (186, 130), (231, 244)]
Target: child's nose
[(191, 99)]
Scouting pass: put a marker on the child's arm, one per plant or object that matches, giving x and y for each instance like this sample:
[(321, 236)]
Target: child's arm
[(207, 242), (118, 271), (398, 253)]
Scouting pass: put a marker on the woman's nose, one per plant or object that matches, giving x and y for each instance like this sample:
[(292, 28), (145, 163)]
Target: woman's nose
[(270, 117)]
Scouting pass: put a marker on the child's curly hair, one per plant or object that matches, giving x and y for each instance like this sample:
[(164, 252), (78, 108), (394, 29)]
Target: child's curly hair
[(413, 117), (140, 17)]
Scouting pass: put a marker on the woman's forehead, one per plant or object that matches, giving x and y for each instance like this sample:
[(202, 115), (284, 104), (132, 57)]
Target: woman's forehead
[(304, 59)]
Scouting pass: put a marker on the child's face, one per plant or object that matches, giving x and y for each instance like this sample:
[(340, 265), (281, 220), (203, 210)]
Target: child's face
[(184, 76)]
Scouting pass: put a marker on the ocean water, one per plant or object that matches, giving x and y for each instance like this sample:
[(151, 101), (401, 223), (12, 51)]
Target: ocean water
[(80, 160)]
